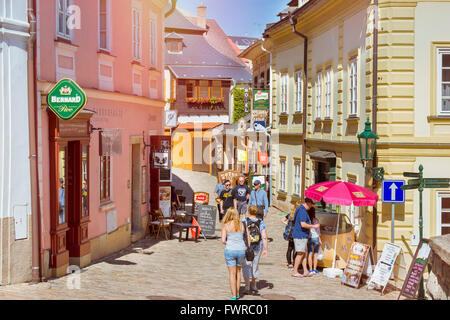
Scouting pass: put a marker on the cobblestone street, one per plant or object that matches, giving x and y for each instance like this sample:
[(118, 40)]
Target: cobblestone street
[(160, 269)]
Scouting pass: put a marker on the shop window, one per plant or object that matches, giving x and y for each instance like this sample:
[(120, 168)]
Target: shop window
[(62, 199), (84, 181), (105, 178)]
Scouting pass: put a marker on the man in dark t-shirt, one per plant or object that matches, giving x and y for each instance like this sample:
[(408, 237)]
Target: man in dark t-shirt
[(226, 199), (241, 193)]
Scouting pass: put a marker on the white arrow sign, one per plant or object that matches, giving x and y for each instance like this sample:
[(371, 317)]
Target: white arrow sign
[(393, 188)]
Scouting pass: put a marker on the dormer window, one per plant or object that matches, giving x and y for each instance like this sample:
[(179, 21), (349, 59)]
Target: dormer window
[(175, 46)]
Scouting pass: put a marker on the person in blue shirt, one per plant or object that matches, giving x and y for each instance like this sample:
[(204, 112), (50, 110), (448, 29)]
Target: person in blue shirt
[(218, 190), (258, 198), (301, 235), (241, 194)]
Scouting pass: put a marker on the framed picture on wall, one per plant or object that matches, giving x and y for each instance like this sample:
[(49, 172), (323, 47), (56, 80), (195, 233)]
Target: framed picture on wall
[(144, 184)]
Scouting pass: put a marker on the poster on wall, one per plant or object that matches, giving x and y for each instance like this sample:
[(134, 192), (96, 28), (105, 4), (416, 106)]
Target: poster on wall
[(164, 200)]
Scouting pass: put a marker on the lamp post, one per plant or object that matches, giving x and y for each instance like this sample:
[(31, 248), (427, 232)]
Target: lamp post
[(367, 141)]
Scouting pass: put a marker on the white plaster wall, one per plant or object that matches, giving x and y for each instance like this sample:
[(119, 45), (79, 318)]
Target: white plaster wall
[(15, 190), (432, 23)]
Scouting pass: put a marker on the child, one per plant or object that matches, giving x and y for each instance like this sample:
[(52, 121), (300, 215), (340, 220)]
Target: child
[(314, 242)]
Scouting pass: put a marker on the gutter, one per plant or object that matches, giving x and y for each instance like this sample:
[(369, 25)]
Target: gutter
[(172, 9), (293, 22), (37, 252), (374, 115), (269, 128)]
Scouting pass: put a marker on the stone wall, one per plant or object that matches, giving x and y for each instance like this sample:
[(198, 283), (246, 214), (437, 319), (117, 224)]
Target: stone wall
[(438, 285)]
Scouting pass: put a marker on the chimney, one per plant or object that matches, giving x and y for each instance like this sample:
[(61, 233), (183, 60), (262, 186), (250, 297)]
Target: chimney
[(201, 16)]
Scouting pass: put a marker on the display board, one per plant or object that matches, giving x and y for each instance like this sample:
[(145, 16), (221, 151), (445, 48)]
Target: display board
[(418, 264), (356, 263), (385, 265), (164, 201), (207, 219)]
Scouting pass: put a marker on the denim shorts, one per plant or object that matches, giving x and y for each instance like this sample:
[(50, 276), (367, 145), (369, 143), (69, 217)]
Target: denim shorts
[(234, 257), (313, 243)]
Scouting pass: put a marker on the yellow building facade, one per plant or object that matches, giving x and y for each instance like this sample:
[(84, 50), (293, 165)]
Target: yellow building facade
[(404, 59)]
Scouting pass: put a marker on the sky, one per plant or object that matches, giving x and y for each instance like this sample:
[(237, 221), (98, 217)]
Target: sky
[(239, 17)]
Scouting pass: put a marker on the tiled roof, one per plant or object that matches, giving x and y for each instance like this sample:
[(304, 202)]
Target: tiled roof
[(243, 41), (178, 21), (210, 73)]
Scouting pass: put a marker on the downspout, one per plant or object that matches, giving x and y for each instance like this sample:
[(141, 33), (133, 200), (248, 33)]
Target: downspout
[(37, 253), (269, 128), (374, 116), (305, 86), (172, 9)]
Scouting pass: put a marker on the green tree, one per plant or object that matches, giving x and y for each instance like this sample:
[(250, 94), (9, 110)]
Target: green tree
[(238, 102)]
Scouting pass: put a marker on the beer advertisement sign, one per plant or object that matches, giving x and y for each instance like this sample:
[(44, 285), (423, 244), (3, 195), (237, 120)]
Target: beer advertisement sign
[(66, 99), (261, 99)]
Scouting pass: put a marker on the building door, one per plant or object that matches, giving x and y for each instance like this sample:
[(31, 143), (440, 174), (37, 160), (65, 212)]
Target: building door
[(135, 185)]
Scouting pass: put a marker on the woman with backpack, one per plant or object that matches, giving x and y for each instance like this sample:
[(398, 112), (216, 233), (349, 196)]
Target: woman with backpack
[(288, 220), (233, 238), (257, 231)]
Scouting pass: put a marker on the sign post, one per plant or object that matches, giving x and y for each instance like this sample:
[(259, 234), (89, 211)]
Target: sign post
[(246, 99), (420, 183), (393, 193)]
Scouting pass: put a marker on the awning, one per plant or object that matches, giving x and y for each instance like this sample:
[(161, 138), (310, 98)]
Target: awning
[(322, 155)]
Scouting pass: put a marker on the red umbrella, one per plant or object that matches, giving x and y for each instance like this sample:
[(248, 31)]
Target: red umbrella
[(341, 193)]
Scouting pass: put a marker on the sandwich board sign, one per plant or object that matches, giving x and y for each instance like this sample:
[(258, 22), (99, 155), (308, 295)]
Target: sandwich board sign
[(66, 99), (384, 267)]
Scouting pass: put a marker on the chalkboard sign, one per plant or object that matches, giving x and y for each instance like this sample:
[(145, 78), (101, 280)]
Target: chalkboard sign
[(418, 264), (207, 219), (385, 266), (356, 263)]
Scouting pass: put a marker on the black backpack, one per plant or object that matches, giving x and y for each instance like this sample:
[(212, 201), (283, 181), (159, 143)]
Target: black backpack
[(254, 231)]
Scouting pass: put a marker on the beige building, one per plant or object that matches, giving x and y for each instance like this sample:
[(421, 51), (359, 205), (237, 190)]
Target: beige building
[(396, 75)]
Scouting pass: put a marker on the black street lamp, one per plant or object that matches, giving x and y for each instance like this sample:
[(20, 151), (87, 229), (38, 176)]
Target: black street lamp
[(367, 144)]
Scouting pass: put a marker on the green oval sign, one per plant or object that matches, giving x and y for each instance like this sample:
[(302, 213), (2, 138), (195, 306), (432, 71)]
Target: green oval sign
[(66, 99)]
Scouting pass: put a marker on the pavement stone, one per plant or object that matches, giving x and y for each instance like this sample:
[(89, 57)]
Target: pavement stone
[(169, 269)]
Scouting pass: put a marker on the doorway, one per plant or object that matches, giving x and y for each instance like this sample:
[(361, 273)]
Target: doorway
[(135, 188)]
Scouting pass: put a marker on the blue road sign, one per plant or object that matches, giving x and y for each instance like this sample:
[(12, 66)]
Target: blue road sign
[(259, 126), (392, 192)]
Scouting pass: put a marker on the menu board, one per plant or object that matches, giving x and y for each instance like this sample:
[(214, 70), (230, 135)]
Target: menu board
[(356, 263), (385, 265), (207, 219), (414, 276)]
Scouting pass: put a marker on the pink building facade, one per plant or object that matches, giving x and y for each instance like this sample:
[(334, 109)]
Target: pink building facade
[(94, 183)]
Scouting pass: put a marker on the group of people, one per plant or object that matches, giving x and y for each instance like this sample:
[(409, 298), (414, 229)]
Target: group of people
[(242, 233), (304, 241), (242, 214)]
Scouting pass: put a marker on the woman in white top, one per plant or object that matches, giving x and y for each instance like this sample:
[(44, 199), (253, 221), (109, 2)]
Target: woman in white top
[(314, 242)]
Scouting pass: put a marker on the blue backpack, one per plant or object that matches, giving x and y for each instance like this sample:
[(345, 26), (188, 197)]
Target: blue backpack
[(287, 234)]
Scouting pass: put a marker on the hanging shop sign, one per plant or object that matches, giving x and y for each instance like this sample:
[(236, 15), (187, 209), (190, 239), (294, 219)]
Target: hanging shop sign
[(261, 99), (66, 99), (263, 158), (242, 155)]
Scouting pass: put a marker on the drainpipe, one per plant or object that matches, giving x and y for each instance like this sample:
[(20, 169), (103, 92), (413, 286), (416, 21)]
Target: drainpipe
[(293, 21), (37, 253), (374, 115), (172, 9), (269, 128)]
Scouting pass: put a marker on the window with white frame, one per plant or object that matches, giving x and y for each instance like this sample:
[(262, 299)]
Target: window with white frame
[(443, 81), (283, 174), (353, 87), (136, 27), (319, 95), (104, 24), (284, 92), (153, 47), (298, 91), (297, 178), (62, 18), (328, 80), (443, 213)]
